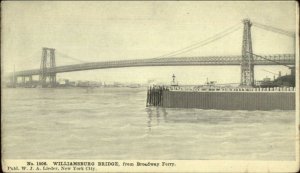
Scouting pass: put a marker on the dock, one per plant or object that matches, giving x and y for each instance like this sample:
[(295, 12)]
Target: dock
[(278, 98)]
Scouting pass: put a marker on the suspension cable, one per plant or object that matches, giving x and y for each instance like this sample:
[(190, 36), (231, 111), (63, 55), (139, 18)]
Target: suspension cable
[(188, 48), (273, 29), (268, 59), (68, 57), (203, 42)]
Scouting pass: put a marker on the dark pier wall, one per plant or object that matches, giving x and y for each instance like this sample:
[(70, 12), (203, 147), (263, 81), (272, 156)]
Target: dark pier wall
[(229, 100)]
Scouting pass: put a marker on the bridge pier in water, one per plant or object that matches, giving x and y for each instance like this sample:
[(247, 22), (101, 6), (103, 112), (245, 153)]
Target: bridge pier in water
[(48, 54), (23, 80), (19, 81), (26, 81), (30, 79), (12, 81)]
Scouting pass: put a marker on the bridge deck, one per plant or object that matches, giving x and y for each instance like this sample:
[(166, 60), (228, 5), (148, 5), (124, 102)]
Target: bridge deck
[(282, 59)]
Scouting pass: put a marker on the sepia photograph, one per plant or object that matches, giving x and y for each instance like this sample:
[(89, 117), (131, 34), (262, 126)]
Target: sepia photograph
[(148, 86)]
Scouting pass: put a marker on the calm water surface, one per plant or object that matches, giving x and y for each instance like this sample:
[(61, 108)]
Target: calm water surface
[(113, 123)]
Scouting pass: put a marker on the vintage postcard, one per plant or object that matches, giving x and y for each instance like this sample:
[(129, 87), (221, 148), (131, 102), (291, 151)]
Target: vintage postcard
[(172, 86)]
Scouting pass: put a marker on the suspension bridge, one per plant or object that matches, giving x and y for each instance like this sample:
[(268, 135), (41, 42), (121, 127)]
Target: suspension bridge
[(247, 60)]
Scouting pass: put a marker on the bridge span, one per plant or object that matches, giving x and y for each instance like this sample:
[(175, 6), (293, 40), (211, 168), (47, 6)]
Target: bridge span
[(283, 59), (247, 60)]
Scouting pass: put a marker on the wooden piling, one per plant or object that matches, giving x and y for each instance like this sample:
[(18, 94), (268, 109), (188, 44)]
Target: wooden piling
[(155, 96)]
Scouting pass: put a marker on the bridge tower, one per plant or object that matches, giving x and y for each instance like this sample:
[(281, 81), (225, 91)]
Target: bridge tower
[(47, 61), (247, 67)]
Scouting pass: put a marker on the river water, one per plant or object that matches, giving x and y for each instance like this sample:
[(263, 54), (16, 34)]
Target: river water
[(114, 123)]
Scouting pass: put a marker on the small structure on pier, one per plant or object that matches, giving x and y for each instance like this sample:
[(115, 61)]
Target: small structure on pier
[(174, 82)]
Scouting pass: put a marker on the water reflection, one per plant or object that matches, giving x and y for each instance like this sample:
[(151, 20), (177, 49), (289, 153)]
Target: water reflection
[(149, 112), (158, 115)]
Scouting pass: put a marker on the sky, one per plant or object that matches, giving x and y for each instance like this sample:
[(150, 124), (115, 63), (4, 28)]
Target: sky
[(102, 31)]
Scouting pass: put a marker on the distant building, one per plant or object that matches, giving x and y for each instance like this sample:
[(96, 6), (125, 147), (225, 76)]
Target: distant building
[(82, 84), (88, 84), (117, 84), (134, 85), (63, 82), (73, 84)]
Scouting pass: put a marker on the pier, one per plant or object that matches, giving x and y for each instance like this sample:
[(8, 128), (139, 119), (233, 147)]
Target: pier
[(222, 98)]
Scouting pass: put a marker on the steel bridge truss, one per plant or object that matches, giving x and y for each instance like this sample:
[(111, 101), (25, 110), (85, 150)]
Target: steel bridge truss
[(285, 59)]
